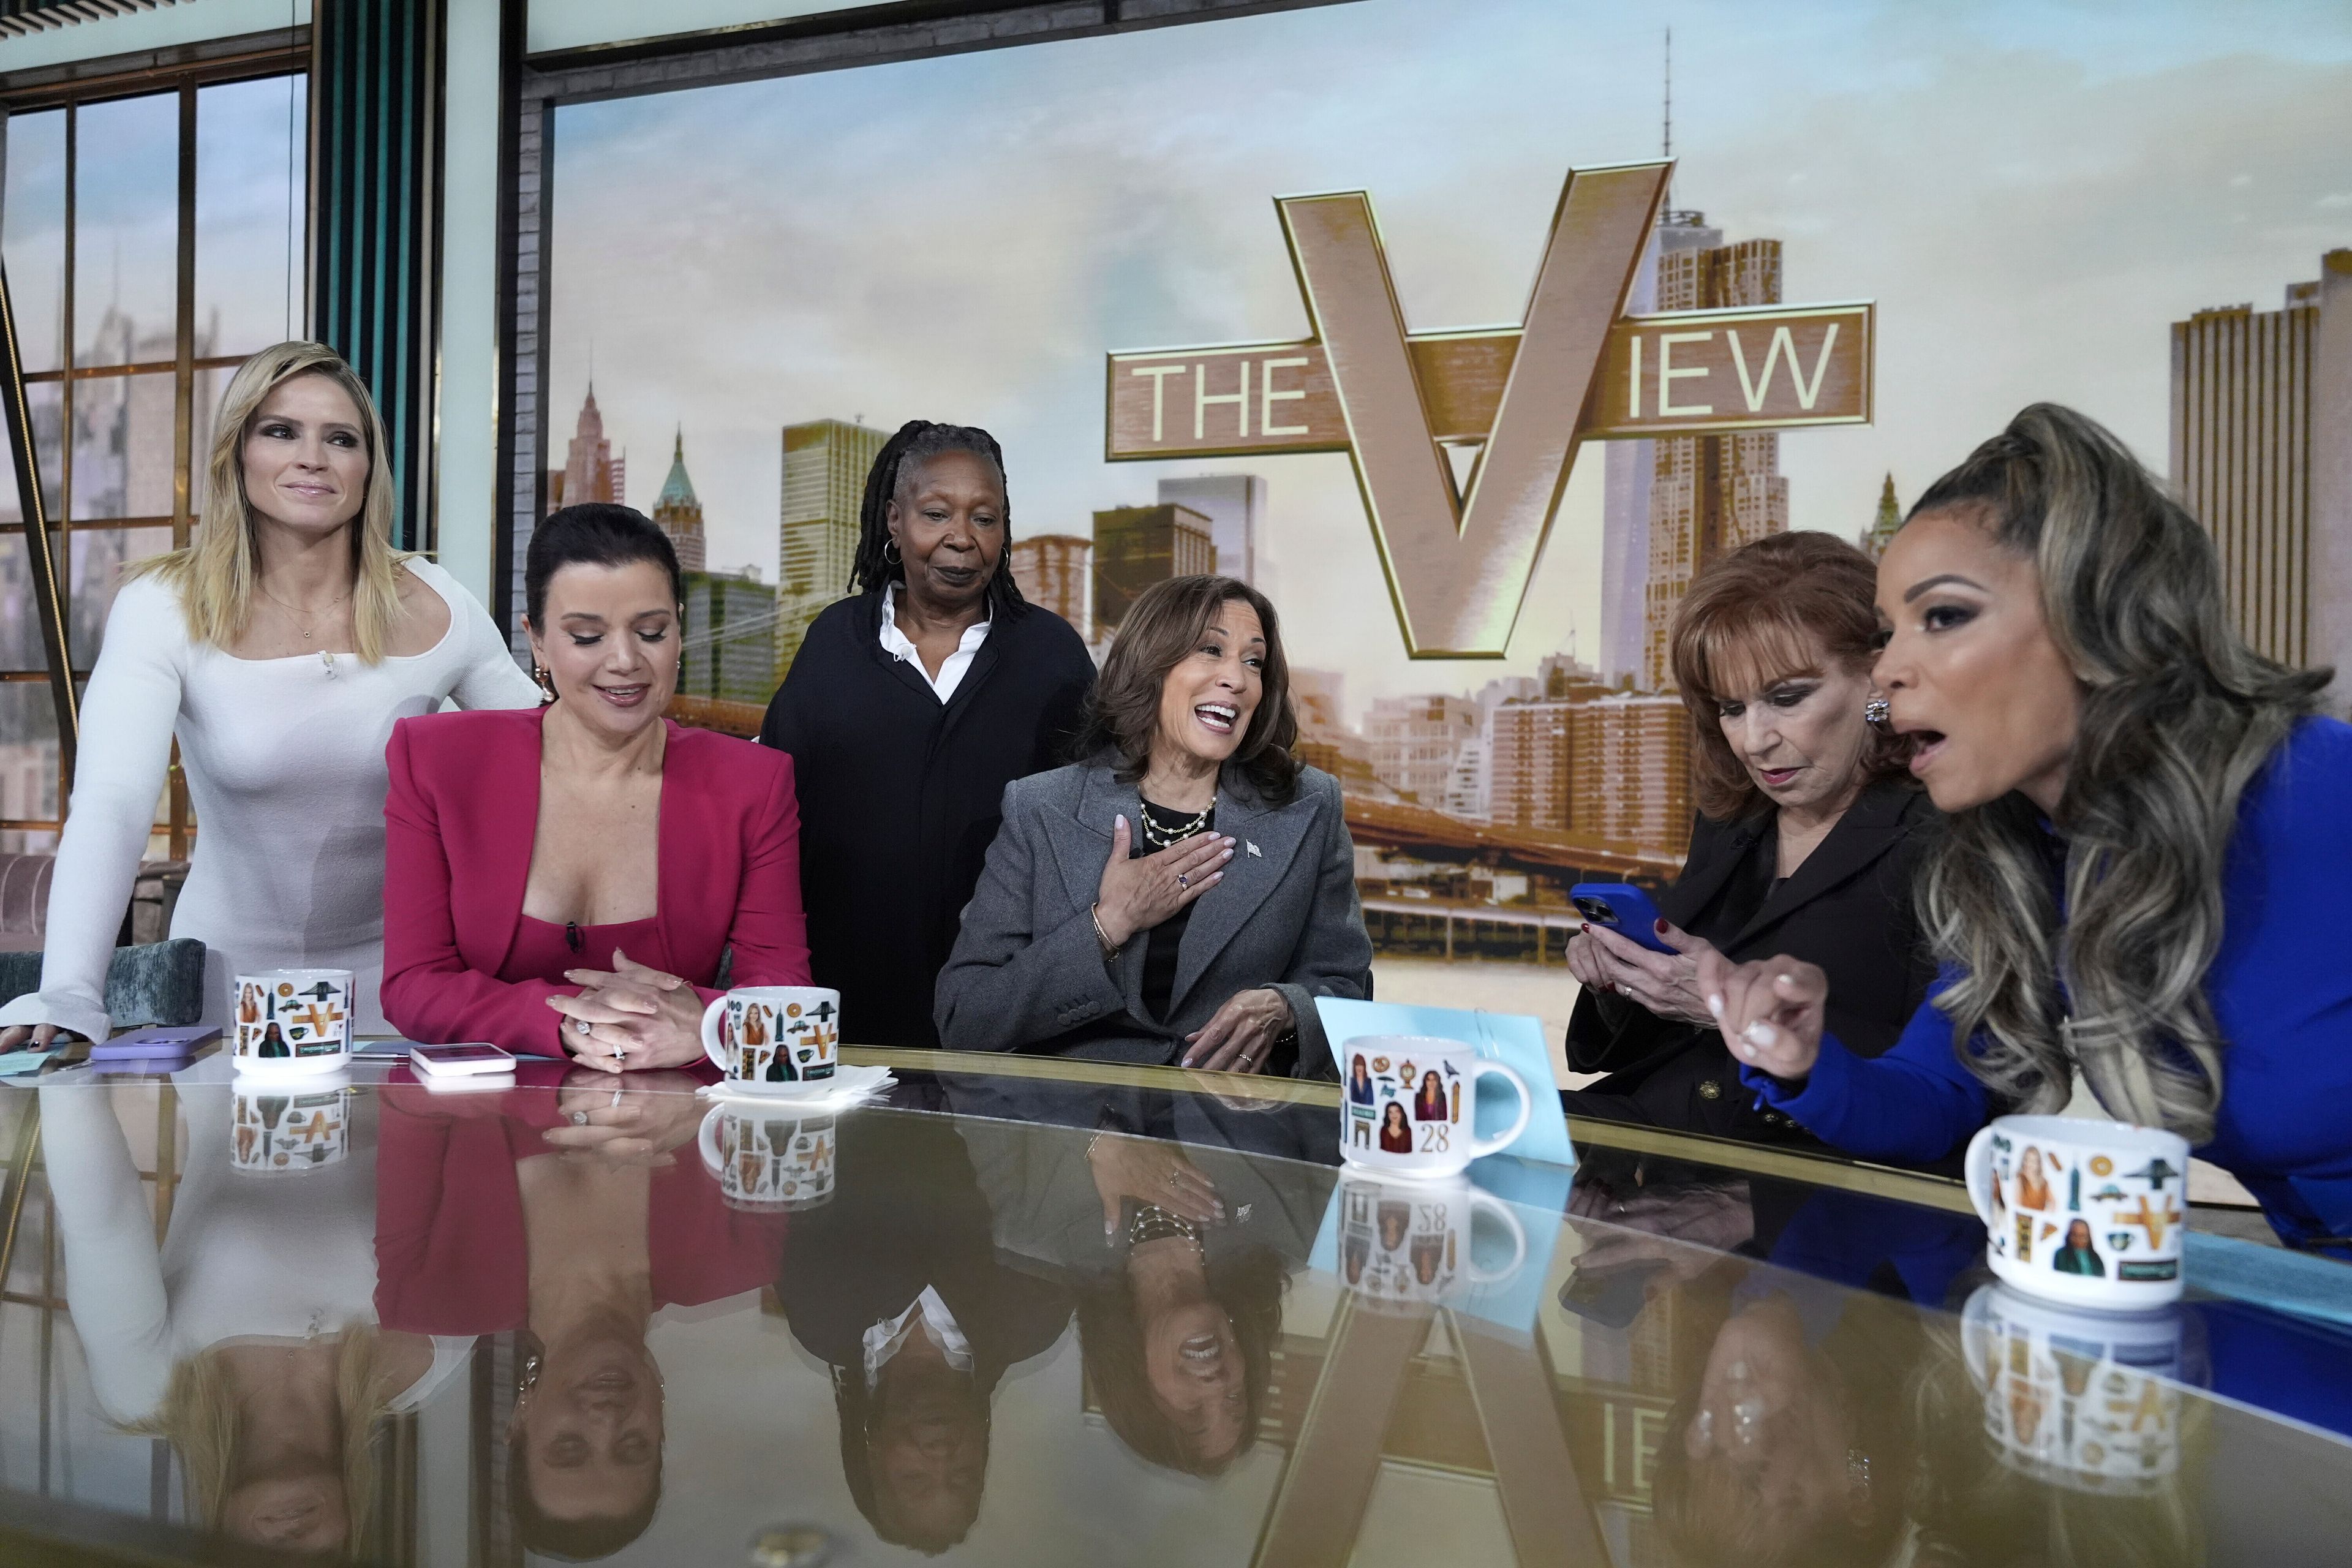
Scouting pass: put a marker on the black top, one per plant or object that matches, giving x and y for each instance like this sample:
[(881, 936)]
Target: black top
[(1752, 882), (1167, 938), (899, 795), (1847, 909)]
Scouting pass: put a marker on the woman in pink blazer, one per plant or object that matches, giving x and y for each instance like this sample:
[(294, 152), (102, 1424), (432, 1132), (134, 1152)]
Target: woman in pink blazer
[(565, 882)]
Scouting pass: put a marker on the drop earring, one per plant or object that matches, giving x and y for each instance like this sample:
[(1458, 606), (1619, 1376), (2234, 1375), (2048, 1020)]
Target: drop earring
[(545, 682)]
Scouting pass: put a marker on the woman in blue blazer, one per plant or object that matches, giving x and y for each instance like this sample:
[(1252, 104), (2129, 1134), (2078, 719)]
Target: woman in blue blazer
[(2142, 874)]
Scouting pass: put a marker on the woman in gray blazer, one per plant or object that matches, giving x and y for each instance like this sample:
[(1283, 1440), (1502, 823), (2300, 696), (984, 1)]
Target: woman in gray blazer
[(1185, 894)]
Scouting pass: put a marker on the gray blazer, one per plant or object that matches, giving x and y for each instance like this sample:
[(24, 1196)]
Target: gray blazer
[(1027, 972)]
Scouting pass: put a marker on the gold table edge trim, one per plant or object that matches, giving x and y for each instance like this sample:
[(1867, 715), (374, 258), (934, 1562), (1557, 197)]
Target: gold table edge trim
[(1751, 1158)]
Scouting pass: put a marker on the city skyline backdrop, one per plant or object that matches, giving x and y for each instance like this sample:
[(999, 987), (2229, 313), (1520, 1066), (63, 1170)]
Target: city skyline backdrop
[(2029, 171)]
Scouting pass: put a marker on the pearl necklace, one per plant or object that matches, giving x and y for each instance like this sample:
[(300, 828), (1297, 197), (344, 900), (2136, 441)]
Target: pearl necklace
[(1161, 838)]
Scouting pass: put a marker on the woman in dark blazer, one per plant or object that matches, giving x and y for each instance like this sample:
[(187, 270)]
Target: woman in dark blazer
[(1808, 839), (908, 709), (566, 880), (1185, 895)]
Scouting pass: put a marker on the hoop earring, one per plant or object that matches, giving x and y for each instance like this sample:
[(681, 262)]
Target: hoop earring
[(890, 555)]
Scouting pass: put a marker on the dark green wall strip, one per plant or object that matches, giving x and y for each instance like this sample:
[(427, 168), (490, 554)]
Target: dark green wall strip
[(375, 104)]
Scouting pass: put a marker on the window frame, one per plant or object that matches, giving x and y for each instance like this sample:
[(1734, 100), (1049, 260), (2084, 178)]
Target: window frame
[(278, 55)]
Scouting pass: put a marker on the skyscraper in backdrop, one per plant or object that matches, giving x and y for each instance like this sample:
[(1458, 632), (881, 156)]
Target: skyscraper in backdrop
[(1057, 571), (2262, 453), (825, 465), (1234, 505), (590, 471), (1627, 469), (1136, 546), (680, 511), (1708, 494)]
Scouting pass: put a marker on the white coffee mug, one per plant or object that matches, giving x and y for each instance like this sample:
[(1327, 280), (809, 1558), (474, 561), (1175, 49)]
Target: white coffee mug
[(285, 1130), (773, 1037), (291, 1021), (1409, 1105), (769, 1163), (2091, 1401), (1408, 1244), (2084, 1212)]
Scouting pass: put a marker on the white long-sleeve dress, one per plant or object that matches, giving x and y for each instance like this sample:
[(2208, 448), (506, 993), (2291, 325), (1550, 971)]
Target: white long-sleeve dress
[(285, 764)]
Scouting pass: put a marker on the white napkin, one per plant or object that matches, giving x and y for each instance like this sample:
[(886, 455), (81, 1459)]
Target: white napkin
[(846, 1087)]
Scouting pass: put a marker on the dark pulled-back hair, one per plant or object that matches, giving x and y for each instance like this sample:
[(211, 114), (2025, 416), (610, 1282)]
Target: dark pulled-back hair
[(1767, 611), (902, 456), (593, 533), (1163, 627)]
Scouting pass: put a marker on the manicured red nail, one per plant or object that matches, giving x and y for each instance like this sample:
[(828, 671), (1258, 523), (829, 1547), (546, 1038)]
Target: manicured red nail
[(1662, 926)]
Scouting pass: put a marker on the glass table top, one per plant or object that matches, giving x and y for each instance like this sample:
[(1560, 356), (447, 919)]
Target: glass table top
[(1036, 1312)]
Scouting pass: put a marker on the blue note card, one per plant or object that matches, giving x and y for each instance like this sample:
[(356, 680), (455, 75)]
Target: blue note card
[(16, 1064), (1513, 1039)]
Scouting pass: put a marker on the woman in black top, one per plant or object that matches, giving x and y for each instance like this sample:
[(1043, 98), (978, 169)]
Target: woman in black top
[(911, 706), (1809, 836)]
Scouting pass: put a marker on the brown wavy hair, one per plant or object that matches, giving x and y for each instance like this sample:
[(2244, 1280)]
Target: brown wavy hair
[(1163, 627), (2179, 715), (1772, 609)]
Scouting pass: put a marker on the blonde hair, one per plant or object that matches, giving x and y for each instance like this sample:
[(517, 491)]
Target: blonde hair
[(215, 575), (199, 1418), (2179, 715)]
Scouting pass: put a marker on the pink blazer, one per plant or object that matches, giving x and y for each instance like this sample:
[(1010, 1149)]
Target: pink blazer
[(458, 825)]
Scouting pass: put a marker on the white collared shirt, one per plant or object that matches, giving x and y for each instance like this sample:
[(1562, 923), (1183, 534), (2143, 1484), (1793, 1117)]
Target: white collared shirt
[(896, 643), (886, 1338)]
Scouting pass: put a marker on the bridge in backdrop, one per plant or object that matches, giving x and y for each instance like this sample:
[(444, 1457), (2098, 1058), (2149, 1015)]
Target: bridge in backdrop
[(1426, 835)]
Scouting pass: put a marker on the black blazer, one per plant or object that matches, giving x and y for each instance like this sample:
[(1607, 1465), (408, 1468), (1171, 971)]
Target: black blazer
[(1847, 909), (899, 795)]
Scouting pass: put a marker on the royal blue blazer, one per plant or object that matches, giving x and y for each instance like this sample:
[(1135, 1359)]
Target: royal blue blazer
[(2281, 989)]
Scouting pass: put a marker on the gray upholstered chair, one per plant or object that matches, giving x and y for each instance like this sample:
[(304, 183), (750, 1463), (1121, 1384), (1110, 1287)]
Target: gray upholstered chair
[(152, 982)]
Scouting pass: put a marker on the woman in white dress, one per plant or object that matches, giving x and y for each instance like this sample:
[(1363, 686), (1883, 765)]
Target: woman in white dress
[(278, 648)]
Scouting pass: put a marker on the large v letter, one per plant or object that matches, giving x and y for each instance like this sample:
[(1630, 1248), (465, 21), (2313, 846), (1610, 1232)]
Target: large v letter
[(1459, 571)]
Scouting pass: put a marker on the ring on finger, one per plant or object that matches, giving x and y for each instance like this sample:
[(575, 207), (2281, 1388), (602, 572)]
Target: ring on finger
[(1184, 879), (583, 1025)]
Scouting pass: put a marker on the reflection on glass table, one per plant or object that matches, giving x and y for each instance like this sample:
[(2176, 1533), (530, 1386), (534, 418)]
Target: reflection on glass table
[(1025, 1311)]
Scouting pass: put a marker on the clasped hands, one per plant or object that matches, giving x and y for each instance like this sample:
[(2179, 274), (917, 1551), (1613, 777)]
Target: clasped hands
[(1138, 892), (636, 1018)]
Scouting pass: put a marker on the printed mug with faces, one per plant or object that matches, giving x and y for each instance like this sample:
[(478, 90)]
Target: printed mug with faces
[(2084, 1212), (773, 1038), (2091, 1401), (769, 1163), (286, 1129), (1409, 1105), (291, 1021), (1410, 1243)]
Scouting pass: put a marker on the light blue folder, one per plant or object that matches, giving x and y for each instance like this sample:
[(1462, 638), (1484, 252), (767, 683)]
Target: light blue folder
[(1532, 1175)]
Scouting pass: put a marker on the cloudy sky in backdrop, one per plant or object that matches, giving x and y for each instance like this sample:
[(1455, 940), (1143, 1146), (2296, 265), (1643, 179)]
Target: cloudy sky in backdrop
[(2031, 193)]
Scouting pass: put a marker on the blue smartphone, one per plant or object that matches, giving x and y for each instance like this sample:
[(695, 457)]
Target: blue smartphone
[(1621, 908)]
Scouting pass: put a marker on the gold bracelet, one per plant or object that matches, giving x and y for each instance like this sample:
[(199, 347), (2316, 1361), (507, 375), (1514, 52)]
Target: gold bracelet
[(1102, 937)]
